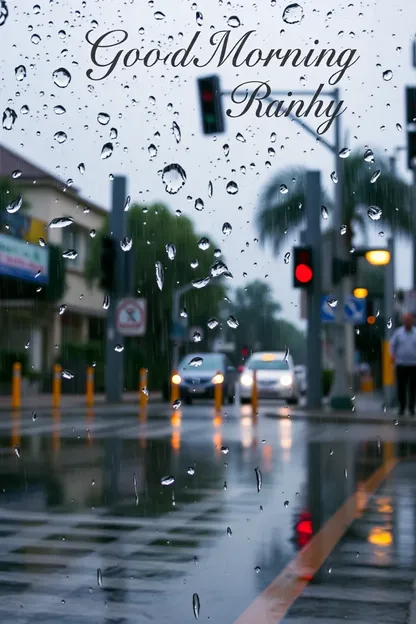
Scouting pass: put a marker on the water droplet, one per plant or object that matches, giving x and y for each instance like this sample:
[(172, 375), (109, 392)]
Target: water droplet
[(332, 302), (225, 450), (232, 322), (62, 308), (389, 323), (203, 243), (93, 233), (126, 244), (369, 156), (20, 72), (67, 374), (9, 117), (218, 268), (107, 151), (191, 471), (293, 14), (17, 451), (173, 177), (286, 503), (127, 203), (168, 480), (283, 189), (375, 176), (199, 18), (15, 205), (176, 132), (210, 189), (201, 283), (81, 168), (33, 416), (59, 110), (60, 222), (224, 487), (106, 302), (41, 242), (257, 569), (196, 336), (387, 75), (70, 254), (196, 361), (183, 313), (334, 177), (103, 118), (232, 188), (345, 152), (240, 137), (171, 251), (286, 257), (158, 15), (145, 390), (226, 228), (159, 275), (286, 355), (99, 577), (324, 212), (176, 404), (199, 204), (343, 230), (213, 323), (374, 212), (60, 137), (233, 22), (229, 532), (399, 127), (35, 39), (119, 348), (61, 77), (259, 478)]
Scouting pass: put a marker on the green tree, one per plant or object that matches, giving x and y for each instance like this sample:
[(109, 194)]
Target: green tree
[(283, 212), (152, 229), (9, 192)]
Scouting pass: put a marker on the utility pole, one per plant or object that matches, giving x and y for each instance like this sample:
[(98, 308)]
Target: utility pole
[(176, 301), (388, 376), (312, 237), (114, 361)]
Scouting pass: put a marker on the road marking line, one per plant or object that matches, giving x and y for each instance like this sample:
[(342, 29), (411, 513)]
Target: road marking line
[(273, 604)]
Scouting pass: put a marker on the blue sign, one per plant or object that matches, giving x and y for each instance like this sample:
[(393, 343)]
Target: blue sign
[(22, 260), (354, 310)]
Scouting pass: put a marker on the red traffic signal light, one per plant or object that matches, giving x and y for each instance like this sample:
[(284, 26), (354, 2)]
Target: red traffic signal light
[(211, 106), (302, 267)]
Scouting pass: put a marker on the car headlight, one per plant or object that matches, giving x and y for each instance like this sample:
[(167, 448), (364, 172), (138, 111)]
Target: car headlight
[(176, 379), (246, 380), (286, 380), (218, 379)]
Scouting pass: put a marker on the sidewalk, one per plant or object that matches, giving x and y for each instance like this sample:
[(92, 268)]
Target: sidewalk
[(44, 401)]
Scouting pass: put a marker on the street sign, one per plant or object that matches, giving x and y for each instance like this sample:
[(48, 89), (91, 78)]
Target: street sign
[(131, 317), (354, 311)]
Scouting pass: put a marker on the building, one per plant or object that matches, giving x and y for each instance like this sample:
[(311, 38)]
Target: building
[(32, 297)]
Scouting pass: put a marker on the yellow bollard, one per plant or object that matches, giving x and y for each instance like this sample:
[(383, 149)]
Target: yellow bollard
[(174, 387), (56, 386), (219, 378), (143, 391), (254, 395), (89, 389), (17, 386)]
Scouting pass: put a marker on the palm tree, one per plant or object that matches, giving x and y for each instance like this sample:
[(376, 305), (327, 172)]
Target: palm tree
[(282, 203)]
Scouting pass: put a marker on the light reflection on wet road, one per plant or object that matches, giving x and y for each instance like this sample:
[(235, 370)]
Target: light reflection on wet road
[(82, 492)]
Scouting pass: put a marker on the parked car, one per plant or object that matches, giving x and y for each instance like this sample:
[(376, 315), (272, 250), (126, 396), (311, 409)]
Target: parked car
[(300, 372), (199, 373), (276, 377)]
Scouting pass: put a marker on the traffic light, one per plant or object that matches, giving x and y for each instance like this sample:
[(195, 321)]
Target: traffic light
[(411, 149), (108, 264), (244, 352), (369, 312), (410, 105), (211, 106), (302, 267)]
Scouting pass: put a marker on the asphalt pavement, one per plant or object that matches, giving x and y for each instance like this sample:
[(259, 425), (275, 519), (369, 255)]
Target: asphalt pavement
[(114, 515)]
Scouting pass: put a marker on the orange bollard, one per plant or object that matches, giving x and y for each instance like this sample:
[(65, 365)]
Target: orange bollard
[(218, 391), (56, 386), (89, 389), (175, 392), (17, 386), (254, 395), (143, 391)]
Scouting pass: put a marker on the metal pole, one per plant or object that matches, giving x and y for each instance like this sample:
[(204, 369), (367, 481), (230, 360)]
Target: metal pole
[(340, 396), (388, 375), (414, 221), (312, 237), (175, 319), (114, 369)]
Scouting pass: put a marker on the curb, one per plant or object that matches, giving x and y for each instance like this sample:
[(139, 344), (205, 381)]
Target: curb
[(76, 406)]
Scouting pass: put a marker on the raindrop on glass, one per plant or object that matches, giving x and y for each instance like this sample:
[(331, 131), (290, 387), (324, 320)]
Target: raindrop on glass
[(389, 323), (59, 110), (176, 132), (171, 251), (119, 348), (107, 151), (332, 302), (62, 308), (99, 577), (283, 189), (203, 243), (20, 72), (196, 361), (106, 302), (196, 336), (233, 21), (70, 254), (324, 212), (176, 404), (159, 274), (259, 478), (240, 137), (199, 18), (232, 188), (229, 532), (199, 204), (399, 127), (201, 283), (345, 152), (15, 205), (126, 244), (60, 222), (67, 374), (16, 174), (374, 212), (158, 15), (375, 176), (61, 77), (168, 480), (60, 137), (369, 156), (81, 168), (103, 118), (210, 189), (387, 75), (152, 149), (191, 471), (232, 322), (287, 257), (293, 14), (173, 177), (9, 117), (334, 177), (213, 323), (343, 230)]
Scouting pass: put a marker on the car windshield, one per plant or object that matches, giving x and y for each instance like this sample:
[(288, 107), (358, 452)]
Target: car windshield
[(277, 364), (210, 361)]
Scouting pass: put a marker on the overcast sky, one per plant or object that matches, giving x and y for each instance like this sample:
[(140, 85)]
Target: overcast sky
[(380, 30)]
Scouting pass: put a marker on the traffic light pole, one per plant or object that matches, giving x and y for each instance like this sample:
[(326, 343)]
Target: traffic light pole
[(388, 373), (114, 361), (312, 237)]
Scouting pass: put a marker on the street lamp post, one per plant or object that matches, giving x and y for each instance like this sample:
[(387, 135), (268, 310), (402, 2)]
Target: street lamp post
[(176, 300)]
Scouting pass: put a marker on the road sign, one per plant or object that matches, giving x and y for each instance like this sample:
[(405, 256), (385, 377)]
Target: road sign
[(354, 311), (131, 317)]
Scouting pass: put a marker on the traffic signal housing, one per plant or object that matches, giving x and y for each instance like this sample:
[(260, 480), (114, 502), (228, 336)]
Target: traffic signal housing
[(302, 267), (108, 264), (209, 91), (411, 149), (370, 312)]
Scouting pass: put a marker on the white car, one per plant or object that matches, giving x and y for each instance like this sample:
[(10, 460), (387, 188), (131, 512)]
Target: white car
[(300, 373), (276, 377)]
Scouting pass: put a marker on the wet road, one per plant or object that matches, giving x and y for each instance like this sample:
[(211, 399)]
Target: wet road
[(88, 533)]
